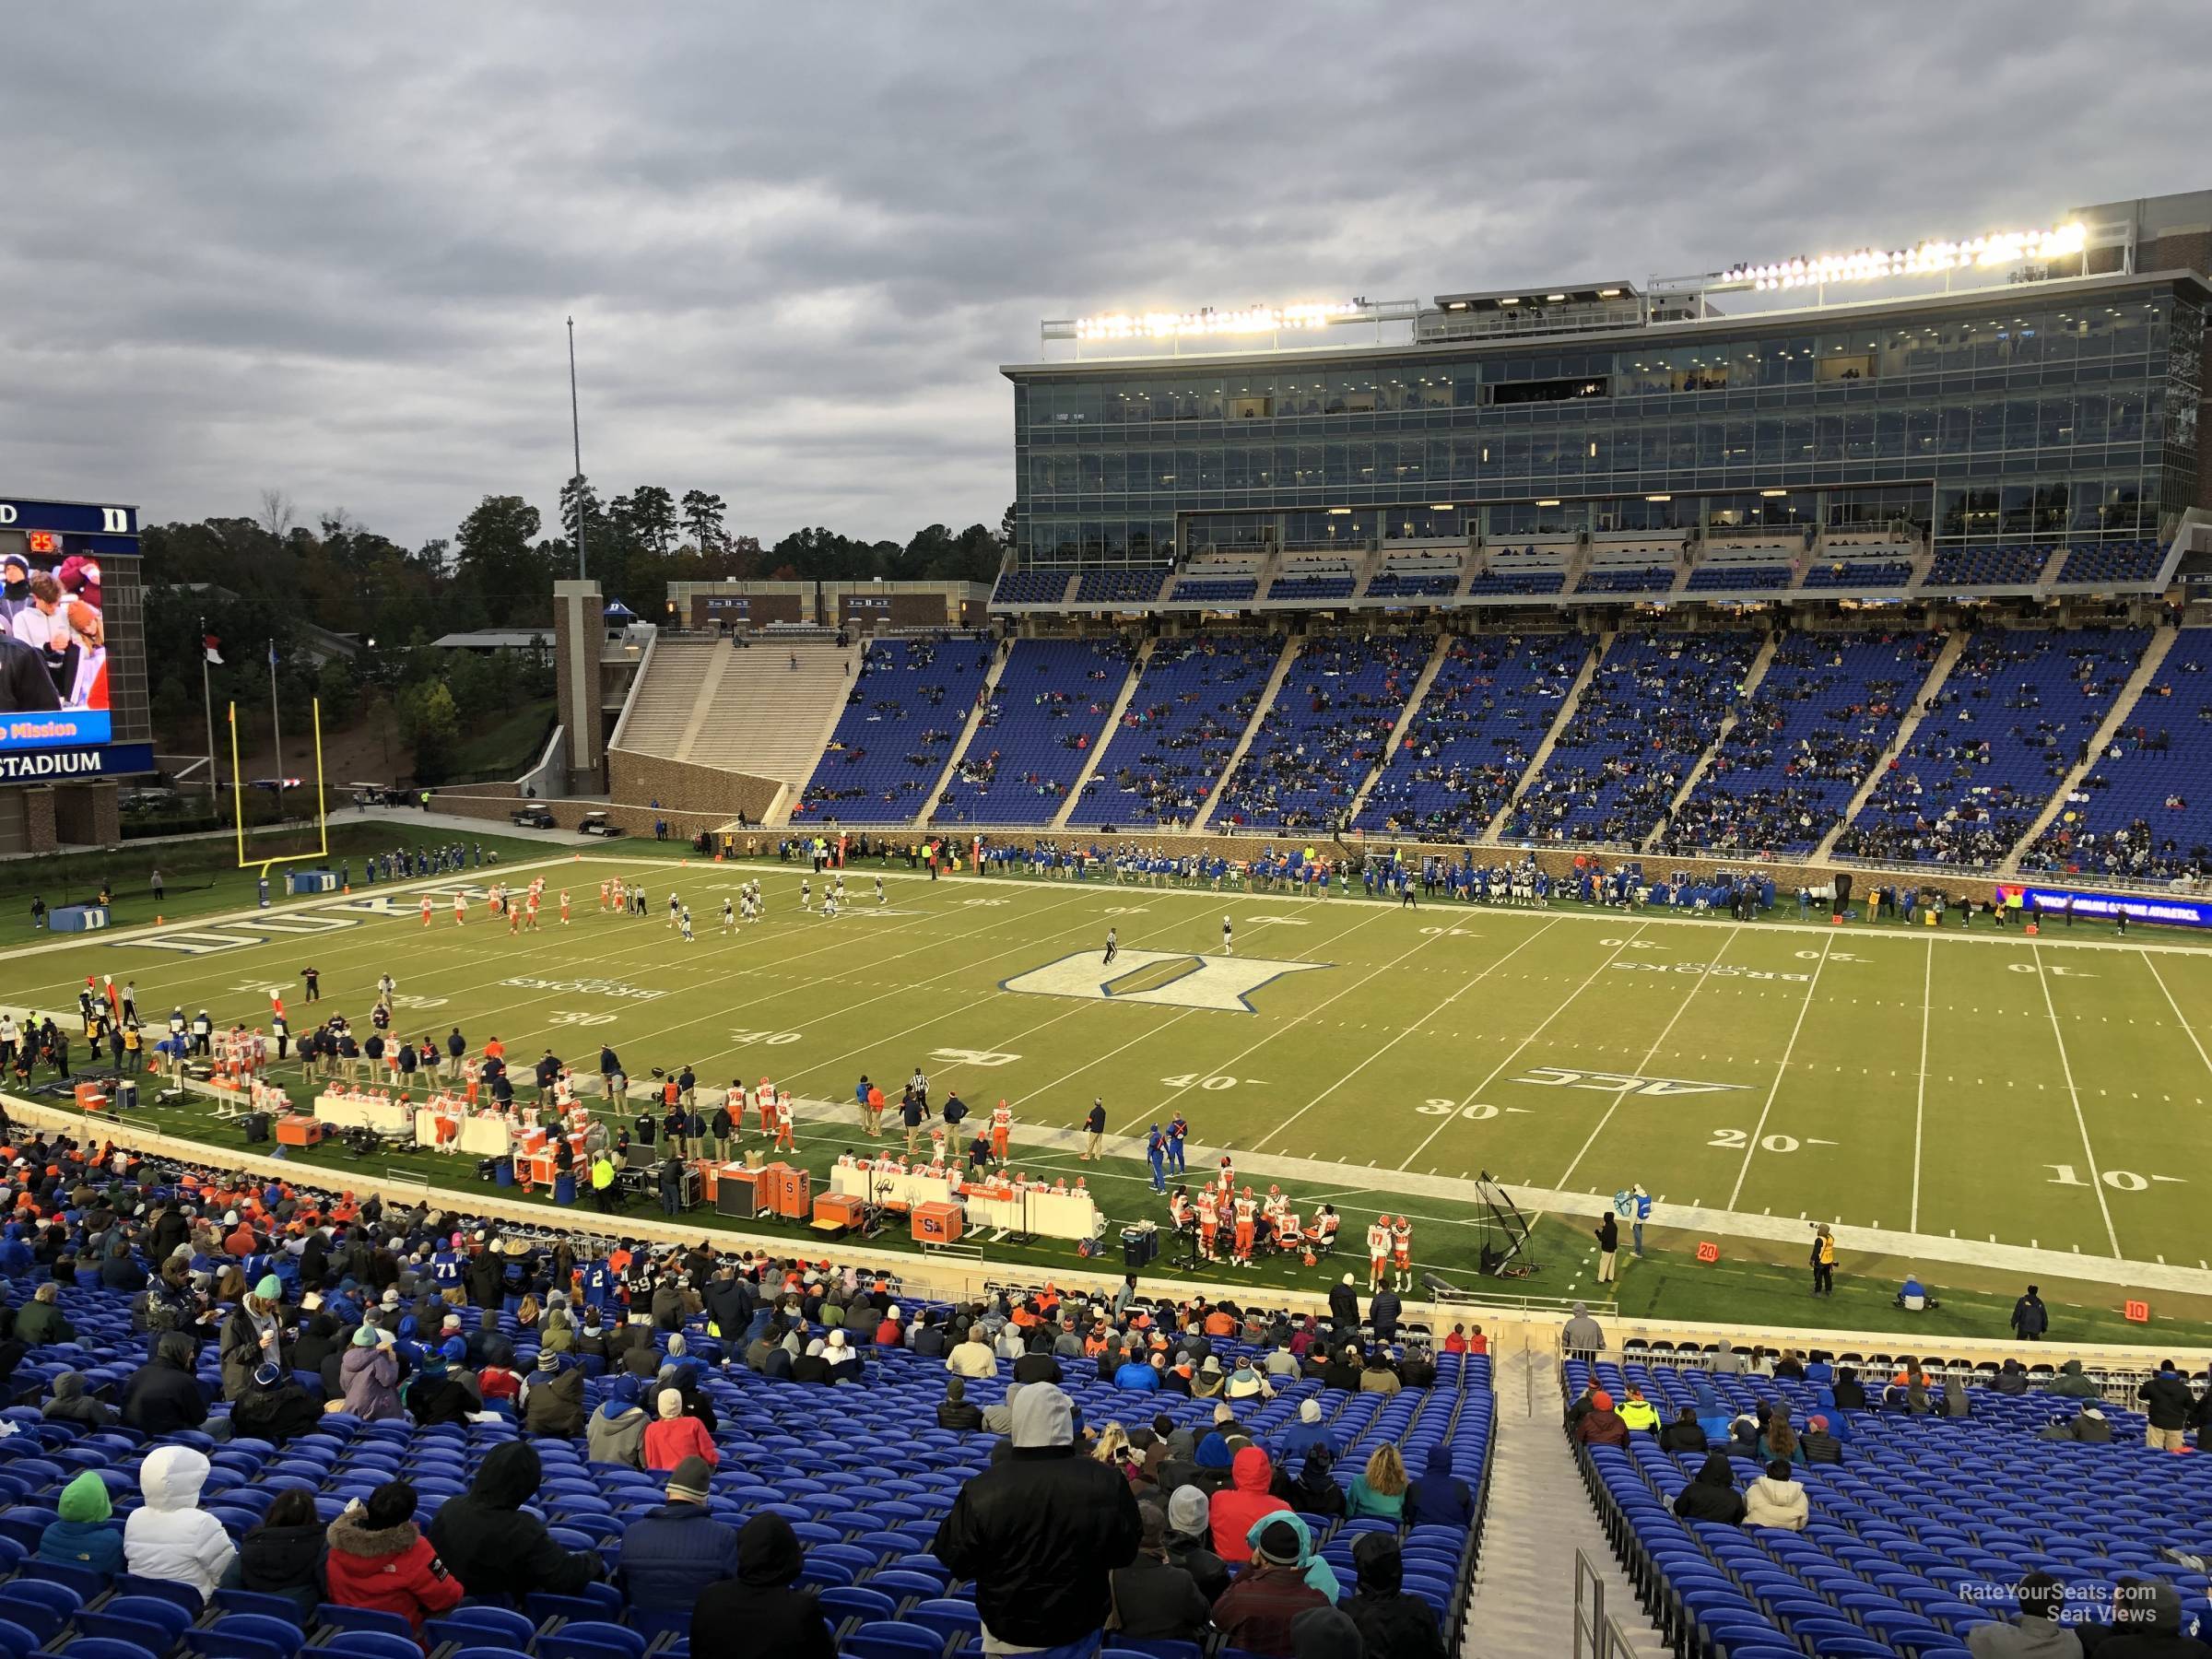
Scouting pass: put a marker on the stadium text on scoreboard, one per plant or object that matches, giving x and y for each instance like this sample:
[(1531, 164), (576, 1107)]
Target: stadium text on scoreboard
[(106, 760)]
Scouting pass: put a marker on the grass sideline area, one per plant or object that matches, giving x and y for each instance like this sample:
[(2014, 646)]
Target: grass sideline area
[(201, 875), (1764, 1069)]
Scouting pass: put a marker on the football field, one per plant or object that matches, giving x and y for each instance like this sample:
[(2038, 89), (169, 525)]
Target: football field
[(1955, 1091)]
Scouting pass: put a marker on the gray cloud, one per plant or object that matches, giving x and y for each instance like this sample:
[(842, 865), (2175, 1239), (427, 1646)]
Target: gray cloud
[(329, 249)]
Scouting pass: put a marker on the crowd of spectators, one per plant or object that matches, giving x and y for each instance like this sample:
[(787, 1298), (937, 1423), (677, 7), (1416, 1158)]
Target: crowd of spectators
[(911, 696), (1327, 729), (1653, 707), (1183, 724), (318, 1310), (2017, 715), (1815, 727), (1477, 729)]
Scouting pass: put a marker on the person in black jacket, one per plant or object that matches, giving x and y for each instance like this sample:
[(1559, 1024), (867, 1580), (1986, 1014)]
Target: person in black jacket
[(1154, 1599), (762, 1610), (1683, 1434), (1848, 1391), (274, 1407), (434, 1396), (1037, 1366), (1344, 1307), (162, 1395), (955, 1411), (1040, 1530), (490, 1544), (1391, 1622), (2168, 1405), (283, 1556), (482, 1278), (1383, 1310), (1712, 1495)]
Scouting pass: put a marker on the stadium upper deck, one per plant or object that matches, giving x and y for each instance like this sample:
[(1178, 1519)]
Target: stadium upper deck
[(2048, 404)]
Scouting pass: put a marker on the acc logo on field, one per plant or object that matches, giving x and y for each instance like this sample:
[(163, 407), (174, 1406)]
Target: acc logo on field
[(1166, 978)]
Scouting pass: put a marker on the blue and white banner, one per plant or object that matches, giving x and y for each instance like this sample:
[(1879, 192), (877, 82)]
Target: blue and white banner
[(2103, 907)]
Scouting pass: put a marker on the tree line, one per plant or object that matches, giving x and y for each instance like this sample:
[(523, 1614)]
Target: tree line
[(262, 579)]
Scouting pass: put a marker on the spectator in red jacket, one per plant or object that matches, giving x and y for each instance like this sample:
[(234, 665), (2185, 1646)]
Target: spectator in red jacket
[(1238, 1505), (675, 1436), (890, 1333), (1601, 1425), (379, 1558)]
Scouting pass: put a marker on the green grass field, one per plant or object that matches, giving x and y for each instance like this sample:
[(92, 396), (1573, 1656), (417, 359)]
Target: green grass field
[(1964, 1095)]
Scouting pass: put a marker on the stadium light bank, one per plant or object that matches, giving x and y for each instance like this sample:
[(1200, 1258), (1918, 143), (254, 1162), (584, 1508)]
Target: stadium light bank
[(1999, 256)]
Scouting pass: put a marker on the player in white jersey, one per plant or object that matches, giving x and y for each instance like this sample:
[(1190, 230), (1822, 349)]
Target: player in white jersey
[(1228, 944), (684, 921), (1378, 1253), (729, 913), (829, 907), (805, 893), (675, 909), (879, 898)]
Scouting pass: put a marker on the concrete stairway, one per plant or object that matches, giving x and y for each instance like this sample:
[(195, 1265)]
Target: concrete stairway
[(968, 726), (1752, 675), (664, 697), (1405, 714), (2153, 657), (1568, 705), (1251, 726), (1098, 749), (1523, 1601), (760, 714), (1944, 660)]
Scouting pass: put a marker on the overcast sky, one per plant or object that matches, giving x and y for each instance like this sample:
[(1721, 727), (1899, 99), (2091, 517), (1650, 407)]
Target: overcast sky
[(328, 249)]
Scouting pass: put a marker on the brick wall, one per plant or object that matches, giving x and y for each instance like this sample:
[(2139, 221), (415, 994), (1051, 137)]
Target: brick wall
[(682, 786)]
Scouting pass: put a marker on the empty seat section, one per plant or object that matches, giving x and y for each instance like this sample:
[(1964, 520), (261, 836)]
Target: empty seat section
[(1821, 717), (902, 717), (1649, 711), (1183, 723), (1051, 703), (2016, 714)]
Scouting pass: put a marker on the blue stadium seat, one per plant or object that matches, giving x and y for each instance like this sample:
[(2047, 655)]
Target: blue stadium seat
[(495, 1626), (185, 1595), (592, 1639), (372, 1644), (108, 1647), (894, 1640)]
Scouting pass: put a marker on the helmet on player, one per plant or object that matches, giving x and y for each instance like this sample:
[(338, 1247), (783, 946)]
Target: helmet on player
[(1274, 1190), (1246, 1194)]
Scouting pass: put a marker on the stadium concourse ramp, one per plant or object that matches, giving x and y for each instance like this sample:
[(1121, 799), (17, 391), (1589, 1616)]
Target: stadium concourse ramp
[(704, 706)]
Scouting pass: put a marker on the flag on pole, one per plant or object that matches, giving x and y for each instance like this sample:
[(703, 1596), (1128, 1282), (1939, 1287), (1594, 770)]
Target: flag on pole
[(213, 647), (272, 653), (114, 996)]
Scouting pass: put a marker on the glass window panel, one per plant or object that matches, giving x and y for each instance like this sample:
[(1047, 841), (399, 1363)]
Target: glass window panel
[(1858, 435), (1116, 470), (2126, 417), (2090, 424), (1922, 430), (2055, 423), (1828, 438), (1989, 426)]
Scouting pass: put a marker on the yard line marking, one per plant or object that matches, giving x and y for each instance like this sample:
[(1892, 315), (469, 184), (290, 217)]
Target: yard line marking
[(2066, 1068), (1920, 1096), (1293, 1023), (2180, 1018), (1650, 1053), (1374, 1054), (1812, 987), (1499, 1070)]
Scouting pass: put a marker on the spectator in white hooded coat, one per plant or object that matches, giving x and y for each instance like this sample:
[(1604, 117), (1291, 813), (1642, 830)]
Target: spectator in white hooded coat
[(170, 1537)]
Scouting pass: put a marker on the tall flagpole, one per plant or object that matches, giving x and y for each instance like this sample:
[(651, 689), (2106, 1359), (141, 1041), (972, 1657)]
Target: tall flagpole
[(277, 722), (576, 437), (215, 797)]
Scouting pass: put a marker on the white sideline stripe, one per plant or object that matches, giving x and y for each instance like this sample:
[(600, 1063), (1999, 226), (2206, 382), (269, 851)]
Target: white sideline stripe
[(1920, 1096), (2066, 1068), (1812, 988)]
